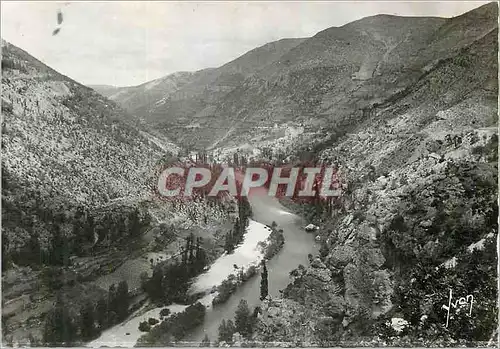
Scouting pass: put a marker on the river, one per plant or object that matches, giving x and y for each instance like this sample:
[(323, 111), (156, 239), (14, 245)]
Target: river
[(298, 244)]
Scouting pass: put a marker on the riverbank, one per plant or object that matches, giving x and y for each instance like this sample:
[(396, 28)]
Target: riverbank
[(295, 251), (245, 255)]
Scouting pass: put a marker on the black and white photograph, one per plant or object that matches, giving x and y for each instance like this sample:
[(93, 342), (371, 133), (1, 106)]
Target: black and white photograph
[(249, 174)]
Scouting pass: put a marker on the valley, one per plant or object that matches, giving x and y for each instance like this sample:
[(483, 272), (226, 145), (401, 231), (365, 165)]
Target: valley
[(406, 108)]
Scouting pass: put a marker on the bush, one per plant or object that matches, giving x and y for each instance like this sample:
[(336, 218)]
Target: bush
[(152, 321), (165, 312), (225, 289), (190, 318), (144, 327), (249, 273), (274, 243)]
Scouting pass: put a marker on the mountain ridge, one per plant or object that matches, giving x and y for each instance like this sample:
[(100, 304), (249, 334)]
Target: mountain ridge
[(361, 54)]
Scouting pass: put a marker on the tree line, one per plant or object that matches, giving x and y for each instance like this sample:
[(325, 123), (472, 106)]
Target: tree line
[(71, 229), (170, 280), (244, 320), (235, 236), (244, 324), (175, 327), (63, 328)]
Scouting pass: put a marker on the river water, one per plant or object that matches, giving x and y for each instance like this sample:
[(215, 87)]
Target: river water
[(298, 244)]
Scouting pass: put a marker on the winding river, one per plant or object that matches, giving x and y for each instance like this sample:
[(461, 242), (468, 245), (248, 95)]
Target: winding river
[(298, 244)]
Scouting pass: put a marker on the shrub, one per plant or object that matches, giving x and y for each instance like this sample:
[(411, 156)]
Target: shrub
[(225, 289), (152, 321), (165, 312), (181, 323), (144, 327)]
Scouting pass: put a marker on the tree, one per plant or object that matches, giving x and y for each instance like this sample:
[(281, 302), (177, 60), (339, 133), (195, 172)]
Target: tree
[(201, 256), (60, 250), (59, 327), (226, 331), (87, 328), (264, 287), (190, 248), (144, 326), (256, 312), (152, 321), (154, 285), (165, 312), (101, 313), (205, 342), (229, 242), (230, 331), (144, 280), (243, 320), (112, 305), (122, 300), (222, 331)]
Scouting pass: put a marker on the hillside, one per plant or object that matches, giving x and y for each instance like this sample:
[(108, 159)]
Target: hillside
[(405, 107), (419, 217), (322, 81), (145, 96), (176, 102), (64, 141), (77, 202)]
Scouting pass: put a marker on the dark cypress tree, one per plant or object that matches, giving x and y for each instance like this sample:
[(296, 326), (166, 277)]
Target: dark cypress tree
[(190, 247), (6, 258), (205, 342), (87, 328), (228, 245), (264, 291), (201, 256), (226, 331), (230, 330), (112, 305), (89, 228), (184, 255), (237, 229), (122, 300), (101, 314), (59, 327), (222, 331), (154, 285), (243, 320), (59, 253)]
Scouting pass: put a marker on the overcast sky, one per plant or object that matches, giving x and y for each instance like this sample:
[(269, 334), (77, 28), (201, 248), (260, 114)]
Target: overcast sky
[(128, 43)]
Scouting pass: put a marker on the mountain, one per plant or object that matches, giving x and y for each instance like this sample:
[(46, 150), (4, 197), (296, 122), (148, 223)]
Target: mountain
[(418, 218), (171, 103), (324, 80), (78, 205), (54, 127), (140, 98), (105, 90), (405, 107)]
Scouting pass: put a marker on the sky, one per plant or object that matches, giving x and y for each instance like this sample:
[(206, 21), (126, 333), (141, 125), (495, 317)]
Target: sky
[(129, 43)]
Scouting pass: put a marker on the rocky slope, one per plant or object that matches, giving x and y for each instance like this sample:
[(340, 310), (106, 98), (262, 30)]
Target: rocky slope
[(77, 198), (420, 214)]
